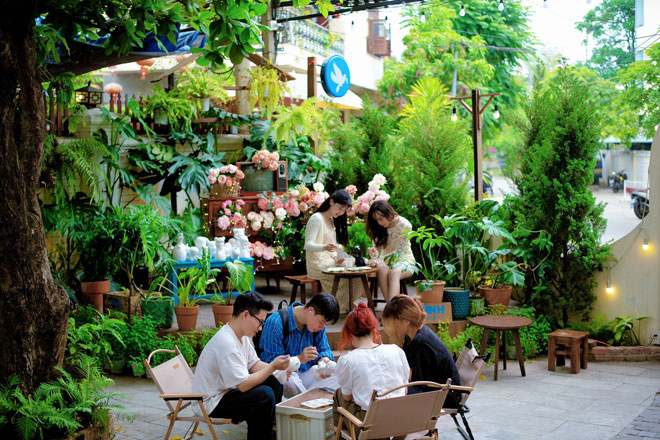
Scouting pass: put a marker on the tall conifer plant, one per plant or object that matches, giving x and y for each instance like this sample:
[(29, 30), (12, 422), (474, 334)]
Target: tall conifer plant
[(555, 169)]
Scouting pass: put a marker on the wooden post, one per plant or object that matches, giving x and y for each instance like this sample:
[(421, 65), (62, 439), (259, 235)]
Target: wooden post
[(268, 37), (311, 91), (476, 143)]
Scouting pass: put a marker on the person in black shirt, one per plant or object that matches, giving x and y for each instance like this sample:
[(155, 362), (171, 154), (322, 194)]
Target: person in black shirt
[(403, 319)]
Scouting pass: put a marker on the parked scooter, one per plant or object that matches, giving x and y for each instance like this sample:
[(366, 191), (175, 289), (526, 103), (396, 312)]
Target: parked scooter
[(617, 179), (640, 203)]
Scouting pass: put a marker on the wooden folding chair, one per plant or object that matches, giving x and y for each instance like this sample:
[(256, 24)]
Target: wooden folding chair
[(470, 365), (396, 416), (174, 380)]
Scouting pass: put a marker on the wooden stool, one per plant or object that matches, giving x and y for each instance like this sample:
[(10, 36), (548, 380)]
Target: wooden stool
[(571, 343), (301, 280), (373, 288)]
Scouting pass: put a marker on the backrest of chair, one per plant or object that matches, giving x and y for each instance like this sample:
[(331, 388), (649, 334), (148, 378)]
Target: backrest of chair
[(173, 377), (403, 415), (470, 365)]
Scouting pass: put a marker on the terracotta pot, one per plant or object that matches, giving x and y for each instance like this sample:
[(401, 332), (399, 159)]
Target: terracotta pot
[(434, 294), (496, 296), (186, 317), (222, 314), (93, 292)]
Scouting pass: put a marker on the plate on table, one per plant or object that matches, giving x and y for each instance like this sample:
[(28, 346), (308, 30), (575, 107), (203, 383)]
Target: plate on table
[(317, 403), (335, 269), (359, 268)]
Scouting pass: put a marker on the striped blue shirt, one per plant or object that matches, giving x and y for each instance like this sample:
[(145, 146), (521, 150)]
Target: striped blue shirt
[(273, 345)]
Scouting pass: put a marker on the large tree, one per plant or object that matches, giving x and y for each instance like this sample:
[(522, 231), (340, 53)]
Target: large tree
[(34, 36), (611, 28), (642, 89)]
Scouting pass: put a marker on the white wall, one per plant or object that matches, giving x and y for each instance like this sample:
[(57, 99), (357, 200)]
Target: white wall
[(634, 273), (650, 25)]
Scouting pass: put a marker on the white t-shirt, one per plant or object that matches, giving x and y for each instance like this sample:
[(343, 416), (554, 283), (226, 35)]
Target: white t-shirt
[(224, 364), (381, 368)]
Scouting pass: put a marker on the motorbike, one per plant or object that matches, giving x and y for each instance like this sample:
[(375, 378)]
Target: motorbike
[(616, 180), (640, 203)]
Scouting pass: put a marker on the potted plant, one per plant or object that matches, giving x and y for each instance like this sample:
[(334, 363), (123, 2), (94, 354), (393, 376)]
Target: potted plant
[(97, 259), (241, 279), (431, 288), (201, 85), (167, 108)]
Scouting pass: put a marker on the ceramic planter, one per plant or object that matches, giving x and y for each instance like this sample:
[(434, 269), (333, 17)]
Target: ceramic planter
[(496, 296), (433, 295), (93, 292), (186, 317), (222, 314), (460, 301)]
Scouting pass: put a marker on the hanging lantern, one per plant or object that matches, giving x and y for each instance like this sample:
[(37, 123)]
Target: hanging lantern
[(113, 89), (144, 67), (90, 96)]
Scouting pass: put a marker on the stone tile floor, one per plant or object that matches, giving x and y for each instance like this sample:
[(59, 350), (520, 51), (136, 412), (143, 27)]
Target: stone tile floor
[(597, 403)]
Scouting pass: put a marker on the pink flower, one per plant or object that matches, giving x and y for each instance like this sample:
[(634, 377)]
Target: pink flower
[(318, 199), (379, 197), (369, 195), (305, 198), (262, 203), (351, 212), (225, 204), (273, 166), (227, 212), (277, 203), (214, 172), (232, 169), (363, 208), (224, 222), (351, 189), (212, 179), (237, 218), (258, 251), (229, 181), (279, 225), (240, 223), (223, 169), (240, 175), (269, 253), (240, 202), (303, 206), (275, 156), (251, 215), (256, 226), (222, 179), (294, 193)]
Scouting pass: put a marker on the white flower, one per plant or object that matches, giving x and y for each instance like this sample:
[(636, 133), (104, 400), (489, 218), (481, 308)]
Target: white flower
[(268, 223), (318, 187), (280, 213), (379, 179), (374, 187)]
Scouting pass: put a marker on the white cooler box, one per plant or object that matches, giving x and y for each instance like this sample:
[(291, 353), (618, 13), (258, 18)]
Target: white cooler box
[(295, 422)]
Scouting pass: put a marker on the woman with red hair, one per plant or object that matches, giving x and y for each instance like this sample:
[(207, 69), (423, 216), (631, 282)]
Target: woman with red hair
[(370, 366)]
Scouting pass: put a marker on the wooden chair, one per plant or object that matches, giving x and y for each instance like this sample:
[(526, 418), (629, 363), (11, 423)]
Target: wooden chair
[(174, 380), (571, 343), (300, 281), (470, 366), (373, 288), (396, 416)]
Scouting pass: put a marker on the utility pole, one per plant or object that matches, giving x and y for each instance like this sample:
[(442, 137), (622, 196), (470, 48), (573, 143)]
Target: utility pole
[(476, 111)]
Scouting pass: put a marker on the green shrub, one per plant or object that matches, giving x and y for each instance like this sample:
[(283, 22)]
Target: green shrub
[(357, 236), (94, 339)]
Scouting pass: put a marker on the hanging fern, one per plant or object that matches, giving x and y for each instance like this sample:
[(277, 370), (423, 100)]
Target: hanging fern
[(64, 163), (266, 90)]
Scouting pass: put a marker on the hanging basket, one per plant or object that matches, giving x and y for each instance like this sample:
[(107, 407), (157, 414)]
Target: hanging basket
[(221, 190)]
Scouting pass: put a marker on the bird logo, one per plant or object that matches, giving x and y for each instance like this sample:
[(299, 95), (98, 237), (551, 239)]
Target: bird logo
[(338, 77)]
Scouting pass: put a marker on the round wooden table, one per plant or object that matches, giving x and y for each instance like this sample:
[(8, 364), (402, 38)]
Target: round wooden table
[(350, 274), (500, 324)]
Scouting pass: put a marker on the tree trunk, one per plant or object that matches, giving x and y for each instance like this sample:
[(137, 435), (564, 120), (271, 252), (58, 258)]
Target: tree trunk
[(33, 308)]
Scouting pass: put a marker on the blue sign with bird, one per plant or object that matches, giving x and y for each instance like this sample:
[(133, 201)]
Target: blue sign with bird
[(335, 76)]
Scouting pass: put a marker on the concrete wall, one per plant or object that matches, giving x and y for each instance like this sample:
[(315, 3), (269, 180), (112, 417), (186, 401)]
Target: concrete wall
[(635, 273), (650, 21)]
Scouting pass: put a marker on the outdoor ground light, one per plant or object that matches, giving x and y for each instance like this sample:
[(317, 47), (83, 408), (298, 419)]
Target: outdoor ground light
[(454, 114), (645, 246), (462, 11), (501, 5), (496, 114)]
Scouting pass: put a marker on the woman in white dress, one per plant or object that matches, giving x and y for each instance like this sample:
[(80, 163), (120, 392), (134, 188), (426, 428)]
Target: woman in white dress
[(325, 230), (385, 228)]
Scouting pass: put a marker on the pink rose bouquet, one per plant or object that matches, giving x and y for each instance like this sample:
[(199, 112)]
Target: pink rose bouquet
[(225, 175), (267, 159)]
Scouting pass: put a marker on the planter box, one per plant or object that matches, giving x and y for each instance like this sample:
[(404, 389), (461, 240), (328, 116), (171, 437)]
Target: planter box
[(637, 353), (122, 302)]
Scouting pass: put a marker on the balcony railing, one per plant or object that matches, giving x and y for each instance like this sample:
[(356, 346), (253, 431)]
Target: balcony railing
[(309, 36)]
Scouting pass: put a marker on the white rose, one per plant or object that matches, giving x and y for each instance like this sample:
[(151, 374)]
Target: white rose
[(379, 179), (280, 213), (318, 187)]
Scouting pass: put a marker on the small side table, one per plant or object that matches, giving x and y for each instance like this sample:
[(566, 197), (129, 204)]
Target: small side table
[(500, 324), (350, 274), (571, 343)]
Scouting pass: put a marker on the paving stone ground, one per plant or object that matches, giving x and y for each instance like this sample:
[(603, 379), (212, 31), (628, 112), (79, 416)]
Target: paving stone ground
[(645, 425)]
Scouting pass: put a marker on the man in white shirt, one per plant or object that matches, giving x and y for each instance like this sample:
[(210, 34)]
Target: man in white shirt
[(236, 384)]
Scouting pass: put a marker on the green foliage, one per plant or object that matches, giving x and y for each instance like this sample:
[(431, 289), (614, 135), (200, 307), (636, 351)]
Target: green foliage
[(619, 331), (201, 84), (93, 339), (599, 328), (266, 90), (642, 89), (611, 25), (624, 329), (63, 163), (99, 249), (240, 279), (142, 339), (430, 266), (553, 196), (357, 236), (362, 148), (431, 153), (455, 345), (177, 108)]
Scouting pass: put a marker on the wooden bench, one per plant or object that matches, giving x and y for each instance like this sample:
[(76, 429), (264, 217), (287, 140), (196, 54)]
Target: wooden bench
[(571, 343), (300, 281)]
